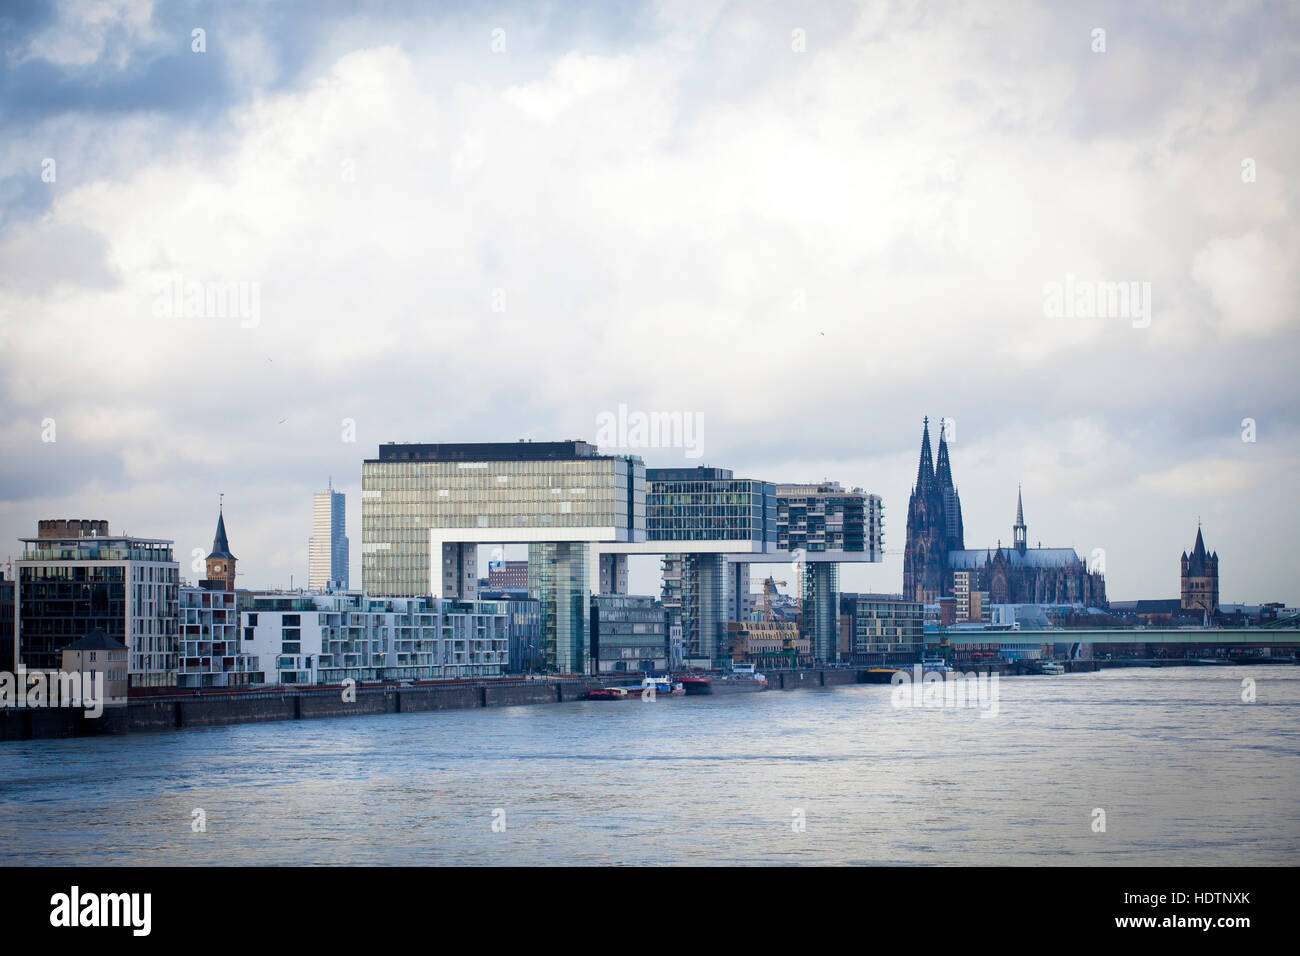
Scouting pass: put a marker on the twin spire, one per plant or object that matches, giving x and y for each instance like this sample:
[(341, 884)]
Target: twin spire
[(927, 471)]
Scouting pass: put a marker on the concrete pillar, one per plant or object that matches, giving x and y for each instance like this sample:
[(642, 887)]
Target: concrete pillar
[(613, 573), (453, 569), (710, 610), (821, 608)]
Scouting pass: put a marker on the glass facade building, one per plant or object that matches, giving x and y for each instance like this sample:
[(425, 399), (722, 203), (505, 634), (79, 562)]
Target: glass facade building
[(709, 504), (518, 492)]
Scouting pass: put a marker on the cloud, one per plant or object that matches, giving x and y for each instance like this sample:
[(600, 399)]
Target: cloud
[(669, 208)]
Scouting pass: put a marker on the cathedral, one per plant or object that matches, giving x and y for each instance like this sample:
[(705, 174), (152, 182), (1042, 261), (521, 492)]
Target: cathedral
[(936, 553)]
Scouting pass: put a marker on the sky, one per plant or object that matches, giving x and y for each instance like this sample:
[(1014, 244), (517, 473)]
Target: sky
[(807, 226)]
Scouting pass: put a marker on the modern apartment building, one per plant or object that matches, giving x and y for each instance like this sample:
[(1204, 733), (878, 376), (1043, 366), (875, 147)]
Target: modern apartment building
[(211, 651), (327, 558), (882, 629), (75, 577), (824, 525), (629, 634), (328, 638)]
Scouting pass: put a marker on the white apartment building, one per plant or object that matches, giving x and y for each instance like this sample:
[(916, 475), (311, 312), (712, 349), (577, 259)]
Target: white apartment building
[(210, 641), (328, 638)]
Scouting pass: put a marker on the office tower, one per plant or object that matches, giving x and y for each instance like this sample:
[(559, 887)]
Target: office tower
[(425, 508), (327, 568)]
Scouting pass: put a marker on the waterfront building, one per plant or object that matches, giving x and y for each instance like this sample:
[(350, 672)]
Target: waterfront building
[(769, 644), (935, 550), (426, 507), (629, 634), (327, 638), (1199, 578), (210, 647), (882, 629), (327, 549), (75, 577), (98, 654), (819, 521), (525, 626)]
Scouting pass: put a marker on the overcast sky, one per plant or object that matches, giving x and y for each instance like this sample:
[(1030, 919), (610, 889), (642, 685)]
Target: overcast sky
[(809, 224)]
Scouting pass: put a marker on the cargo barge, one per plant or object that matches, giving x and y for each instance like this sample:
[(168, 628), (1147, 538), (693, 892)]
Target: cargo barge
[(743, 679)]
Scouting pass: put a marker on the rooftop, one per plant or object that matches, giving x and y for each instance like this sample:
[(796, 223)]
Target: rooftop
[(489, 451)]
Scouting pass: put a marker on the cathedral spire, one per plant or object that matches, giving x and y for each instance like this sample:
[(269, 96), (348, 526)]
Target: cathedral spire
[(925, 470), (943, 470)]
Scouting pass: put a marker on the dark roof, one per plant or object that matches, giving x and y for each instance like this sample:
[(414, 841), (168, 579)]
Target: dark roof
[(96, 640), (1031, 558), (488, 451), (220, 546)]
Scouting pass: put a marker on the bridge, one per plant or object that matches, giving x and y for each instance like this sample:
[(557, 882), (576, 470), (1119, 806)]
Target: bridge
[(1193, 636)]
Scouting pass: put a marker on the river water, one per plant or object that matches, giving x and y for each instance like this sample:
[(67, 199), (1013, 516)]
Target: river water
[(1184, 770)]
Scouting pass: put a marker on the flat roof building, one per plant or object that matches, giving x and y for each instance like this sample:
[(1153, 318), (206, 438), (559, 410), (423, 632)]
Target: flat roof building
[(68, 585)]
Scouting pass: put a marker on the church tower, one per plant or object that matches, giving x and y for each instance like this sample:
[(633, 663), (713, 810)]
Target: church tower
[(221, 563), (1019, 532), (1200, 578)]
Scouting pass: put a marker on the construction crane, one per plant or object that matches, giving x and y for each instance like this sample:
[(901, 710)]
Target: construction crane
[(769, 593)]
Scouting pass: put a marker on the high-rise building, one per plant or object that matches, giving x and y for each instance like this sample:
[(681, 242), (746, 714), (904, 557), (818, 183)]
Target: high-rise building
[(425, 508), (327, 558), (1200, 578), (75, 577)]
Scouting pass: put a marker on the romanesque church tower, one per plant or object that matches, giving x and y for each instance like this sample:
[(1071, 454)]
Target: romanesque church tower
[(1200, 578)]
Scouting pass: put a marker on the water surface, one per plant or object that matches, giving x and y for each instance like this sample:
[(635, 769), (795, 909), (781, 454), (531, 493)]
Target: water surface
[(1186, 773)]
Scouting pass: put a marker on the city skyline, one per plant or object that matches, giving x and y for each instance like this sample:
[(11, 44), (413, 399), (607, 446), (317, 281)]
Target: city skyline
[(644, 570), (669, 208)]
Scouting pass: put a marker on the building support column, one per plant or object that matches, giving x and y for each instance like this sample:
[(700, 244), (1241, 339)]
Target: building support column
[(821, 608)]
